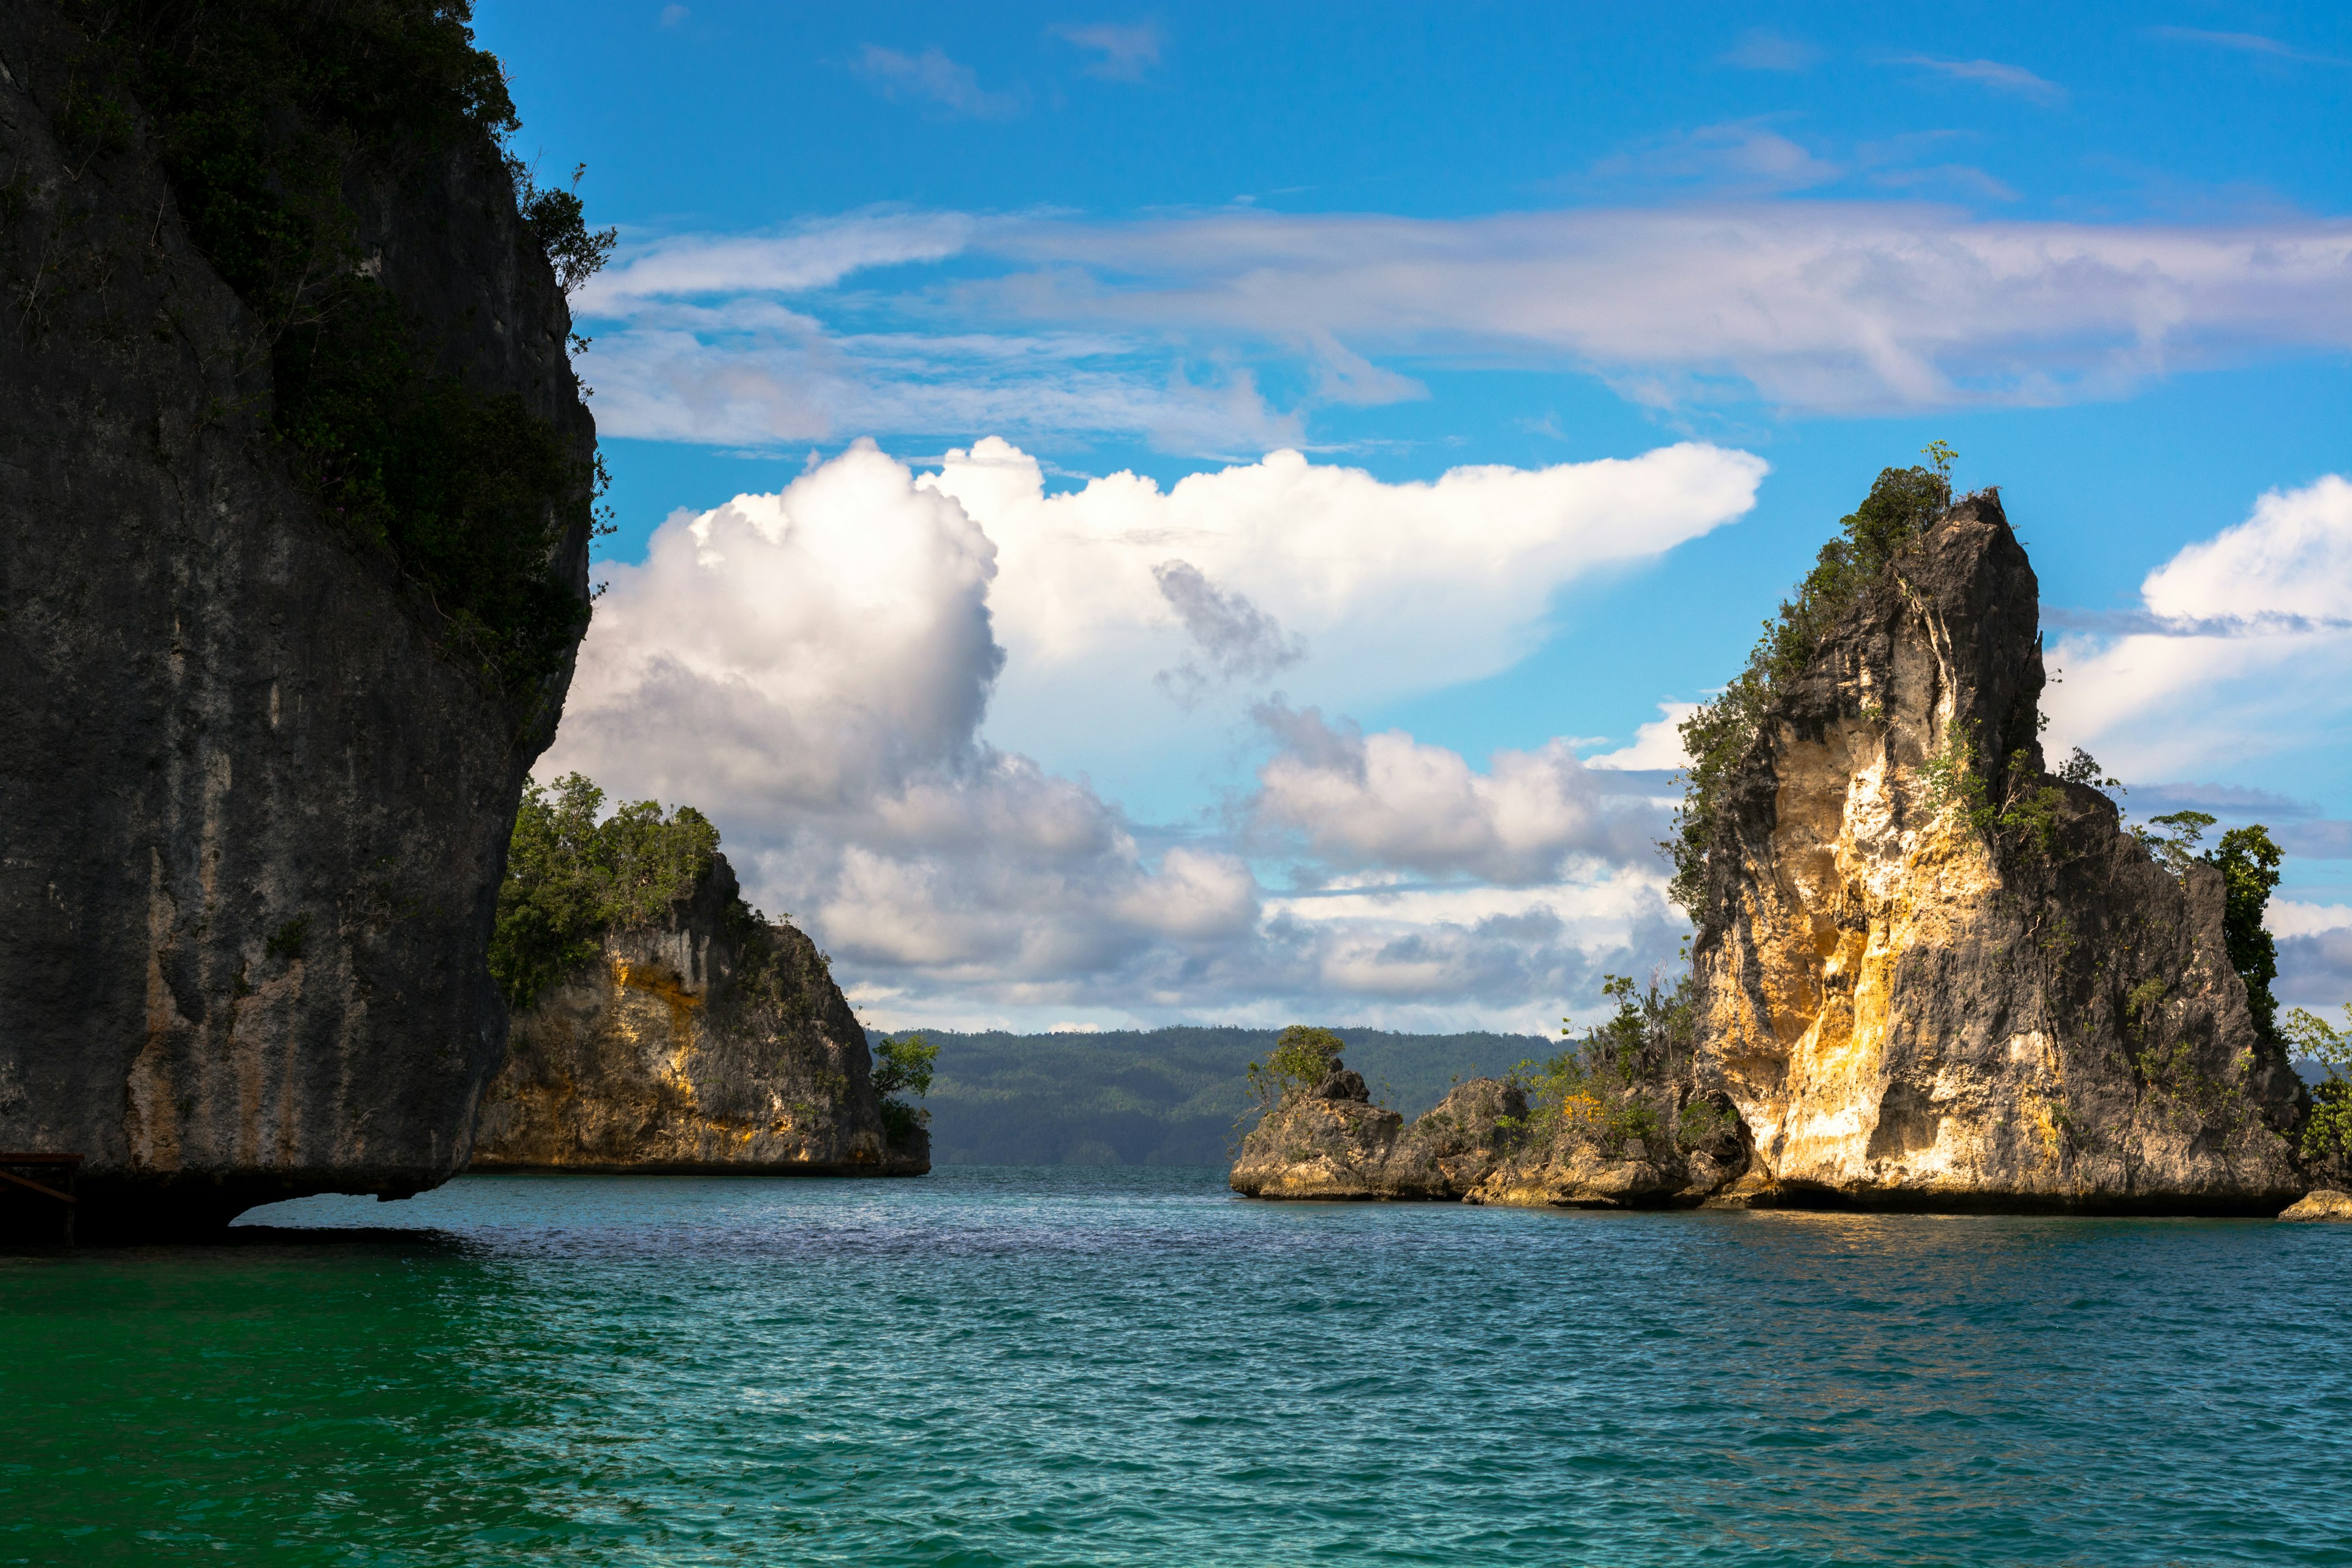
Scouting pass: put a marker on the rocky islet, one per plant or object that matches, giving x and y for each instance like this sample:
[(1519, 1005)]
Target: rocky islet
[(713, 1041), (1909, 994)]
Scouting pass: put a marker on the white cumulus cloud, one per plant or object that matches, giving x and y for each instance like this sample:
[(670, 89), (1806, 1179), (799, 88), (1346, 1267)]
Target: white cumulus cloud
[(1657, 745), (1352, 589), (1388, 800), (814, 670), (2246, 647)]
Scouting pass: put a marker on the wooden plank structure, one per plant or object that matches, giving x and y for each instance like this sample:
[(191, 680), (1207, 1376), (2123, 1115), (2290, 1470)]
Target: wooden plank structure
[(47, 1169)]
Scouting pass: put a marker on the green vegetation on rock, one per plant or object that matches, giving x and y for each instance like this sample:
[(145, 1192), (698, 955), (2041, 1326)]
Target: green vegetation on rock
[(1303, 1056), (265, 116), (2328, 1133), (903, 1067), (570, 879), (1592, 1084), (2249, 863), (2172, 839), (1900, 506), (1161, 1097)]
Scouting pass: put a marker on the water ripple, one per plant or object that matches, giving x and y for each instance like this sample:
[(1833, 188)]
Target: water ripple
[(1099, 1367)]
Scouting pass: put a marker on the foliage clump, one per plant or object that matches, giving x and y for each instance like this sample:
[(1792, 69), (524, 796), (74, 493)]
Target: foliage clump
[(557, 222), (2082, 768), (265, 114), (2249, 862), (903, 1067), (1595, 1086), (1958, 785), (2172, 839), (571, 878), (1900, 506), (1302, 1057), (2327, 1132)]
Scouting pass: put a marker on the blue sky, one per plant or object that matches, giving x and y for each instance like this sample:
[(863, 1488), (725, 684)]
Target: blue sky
[(2102, 251)]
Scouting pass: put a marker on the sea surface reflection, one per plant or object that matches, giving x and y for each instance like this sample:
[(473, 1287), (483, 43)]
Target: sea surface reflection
[(1081, 1365)]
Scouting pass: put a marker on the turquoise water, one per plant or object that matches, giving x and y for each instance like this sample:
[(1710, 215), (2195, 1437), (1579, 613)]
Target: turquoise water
[(1072, 1366)]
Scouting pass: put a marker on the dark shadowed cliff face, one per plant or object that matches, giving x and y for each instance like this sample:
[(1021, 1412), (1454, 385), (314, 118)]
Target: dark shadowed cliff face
[(254, 784), (1918, 996), (713, 1042)]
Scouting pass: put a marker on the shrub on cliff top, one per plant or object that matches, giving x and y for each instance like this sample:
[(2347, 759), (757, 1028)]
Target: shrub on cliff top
[(1301, 1058), (570, 879), (1901, 504)]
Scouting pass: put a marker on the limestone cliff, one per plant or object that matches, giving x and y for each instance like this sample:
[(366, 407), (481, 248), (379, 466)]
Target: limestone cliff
[(1927, 974), (713, 1042), (254, 782), (1932, 975)]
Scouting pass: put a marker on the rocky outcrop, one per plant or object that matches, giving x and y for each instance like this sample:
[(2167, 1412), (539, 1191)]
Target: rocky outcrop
[(1323, 1141), (255, 807), (717, 1042), (1928, 974), (1920, 999), (2327, 1204), (1643, 1146)]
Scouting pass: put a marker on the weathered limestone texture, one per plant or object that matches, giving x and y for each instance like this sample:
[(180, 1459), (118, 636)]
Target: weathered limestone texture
[(1482, 1145), (253, 819), (715, 1043), (1912, 1009), (2326, 1204)]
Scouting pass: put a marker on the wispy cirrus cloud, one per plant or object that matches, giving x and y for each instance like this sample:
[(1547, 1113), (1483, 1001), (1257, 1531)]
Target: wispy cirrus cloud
[(1122, 51), (1763, 50), (1168, 326), (932, 77), (2244, 44), (1997, 75), (792, 260), (1741, 156), (1824, 306)]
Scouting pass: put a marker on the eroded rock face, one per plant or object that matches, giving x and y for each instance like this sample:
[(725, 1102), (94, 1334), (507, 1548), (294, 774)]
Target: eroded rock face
[(1328, 1141), (712, 1044), (1912, 1009), (2327, 1204), (1481, 1145), (255, 816)]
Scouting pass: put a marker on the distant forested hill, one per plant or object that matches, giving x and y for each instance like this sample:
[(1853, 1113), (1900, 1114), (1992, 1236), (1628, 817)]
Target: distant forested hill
[(1162, 1096)]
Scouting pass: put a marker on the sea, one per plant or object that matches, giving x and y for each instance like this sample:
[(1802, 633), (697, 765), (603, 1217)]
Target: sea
[(1085, 1366)]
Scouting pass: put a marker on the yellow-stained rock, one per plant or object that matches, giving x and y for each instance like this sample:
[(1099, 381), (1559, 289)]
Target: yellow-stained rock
[(1918, 1004), (713, 1043), (2324, 1203)]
